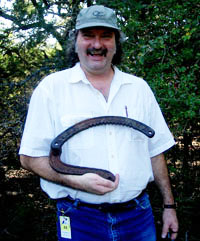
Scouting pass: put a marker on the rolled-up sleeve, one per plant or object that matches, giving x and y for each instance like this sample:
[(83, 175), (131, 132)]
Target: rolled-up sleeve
[(39, 131), (163, 139)]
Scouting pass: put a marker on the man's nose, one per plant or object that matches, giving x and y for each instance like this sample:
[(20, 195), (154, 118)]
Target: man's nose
[(97, 43)]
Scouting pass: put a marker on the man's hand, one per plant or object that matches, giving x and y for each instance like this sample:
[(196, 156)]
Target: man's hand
[(161, 177), (93, 183), (170, 223), (89, 182)]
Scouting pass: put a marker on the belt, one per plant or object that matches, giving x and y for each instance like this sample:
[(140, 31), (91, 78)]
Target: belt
[(107, 207)]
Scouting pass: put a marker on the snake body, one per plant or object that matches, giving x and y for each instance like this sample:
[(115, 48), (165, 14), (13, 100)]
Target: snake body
[(56, 145)]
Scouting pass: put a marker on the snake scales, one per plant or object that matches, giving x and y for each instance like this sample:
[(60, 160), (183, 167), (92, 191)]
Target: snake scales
[(56, 145)]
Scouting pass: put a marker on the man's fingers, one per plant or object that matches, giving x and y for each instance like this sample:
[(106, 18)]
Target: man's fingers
[(174, 235), (96, 184), (170, 224), (165, 230), (109, 184), (105, 186), (116, 180)]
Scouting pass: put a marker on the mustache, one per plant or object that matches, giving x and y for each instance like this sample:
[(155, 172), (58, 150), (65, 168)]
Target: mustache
[(93, 51)]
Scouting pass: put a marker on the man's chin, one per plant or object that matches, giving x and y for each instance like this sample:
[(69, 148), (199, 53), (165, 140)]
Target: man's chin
[(96, 68), (96, 58)]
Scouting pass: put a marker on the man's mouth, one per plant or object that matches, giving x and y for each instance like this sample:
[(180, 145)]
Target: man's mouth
[(96, 52)]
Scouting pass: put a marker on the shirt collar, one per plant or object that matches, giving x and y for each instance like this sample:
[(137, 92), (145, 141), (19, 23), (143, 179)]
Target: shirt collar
[(78, 75), (120, 77)]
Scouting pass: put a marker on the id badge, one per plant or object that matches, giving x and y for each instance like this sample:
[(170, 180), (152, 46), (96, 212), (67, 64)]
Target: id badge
[(65, 227)]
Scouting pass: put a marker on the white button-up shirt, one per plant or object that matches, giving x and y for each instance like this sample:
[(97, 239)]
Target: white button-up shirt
[(67, 97)]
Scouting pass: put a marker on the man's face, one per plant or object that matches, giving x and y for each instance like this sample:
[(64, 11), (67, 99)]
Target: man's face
[(95, 48)]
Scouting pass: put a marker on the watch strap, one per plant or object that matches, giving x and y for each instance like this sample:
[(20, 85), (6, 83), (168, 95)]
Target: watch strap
[(170, 206)]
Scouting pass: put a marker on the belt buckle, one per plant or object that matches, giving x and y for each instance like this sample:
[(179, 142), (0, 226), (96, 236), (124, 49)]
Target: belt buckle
[(104, 207), (108, 207)]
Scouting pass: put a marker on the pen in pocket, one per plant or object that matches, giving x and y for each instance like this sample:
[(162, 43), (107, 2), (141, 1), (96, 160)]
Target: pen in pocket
[(126, 110)]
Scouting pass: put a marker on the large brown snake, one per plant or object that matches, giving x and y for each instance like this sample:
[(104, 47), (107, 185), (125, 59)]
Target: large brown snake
[(56, 145)]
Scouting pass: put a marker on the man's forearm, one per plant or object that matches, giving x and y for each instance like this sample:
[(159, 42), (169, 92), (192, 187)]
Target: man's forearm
[(41, 167), (89, 182), (161, 177)]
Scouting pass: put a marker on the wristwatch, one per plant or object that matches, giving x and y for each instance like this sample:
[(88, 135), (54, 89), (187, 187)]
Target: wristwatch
[(170, 206)]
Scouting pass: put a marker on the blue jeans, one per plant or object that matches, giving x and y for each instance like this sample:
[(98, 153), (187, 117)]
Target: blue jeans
[(90, 224)]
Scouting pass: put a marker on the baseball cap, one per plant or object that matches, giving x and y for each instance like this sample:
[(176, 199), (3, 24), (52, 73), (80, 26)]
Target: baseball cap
[(96, 16)]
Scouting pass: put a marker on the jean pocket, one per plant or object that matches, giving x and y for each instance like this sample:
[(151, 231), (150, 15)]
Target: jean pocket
[(144, 202), (64, 208)]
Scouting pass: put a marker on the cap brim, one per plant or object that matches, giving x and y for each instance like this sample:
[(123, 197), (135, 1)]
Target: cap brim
[(90, 25)]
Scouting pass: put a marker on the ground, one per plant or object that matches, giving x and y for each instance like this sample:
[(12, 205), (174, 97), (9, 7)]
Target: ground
[(26, 212)]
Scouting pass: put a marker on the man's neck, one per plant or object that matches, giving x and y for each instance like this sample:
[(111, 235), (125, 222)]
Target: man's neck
[(101, 81), (101, 76)]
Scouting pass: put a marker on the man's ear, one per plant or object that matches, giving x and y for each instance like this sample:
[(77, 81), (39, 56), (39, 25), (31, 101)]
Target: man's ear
[(75, 48)]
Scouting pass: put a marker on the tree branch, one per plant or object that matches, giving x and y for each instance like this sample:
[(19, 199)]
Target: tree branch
[(40, 24), (7, 16), (34, 3)]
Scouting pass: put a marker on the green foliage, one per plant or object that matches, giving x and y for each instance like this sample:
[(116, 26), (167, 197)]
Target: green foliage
[(162, 46), (16, 63), (165, 47)]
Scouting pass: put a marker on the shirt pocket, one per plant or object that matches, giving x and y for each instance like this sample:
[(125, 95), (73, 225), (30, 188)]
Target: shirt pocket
[(137, 136), (132, 134), (83, 139)]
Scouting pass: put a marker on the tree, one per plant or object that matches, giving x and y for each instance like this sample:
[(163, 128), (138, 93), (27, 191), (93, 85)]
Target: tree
[(34, 21)]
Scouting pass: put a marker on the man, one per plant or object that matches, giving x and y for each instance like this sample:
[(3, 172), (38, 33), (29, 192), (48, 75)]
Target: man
[(89, 206)]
